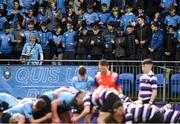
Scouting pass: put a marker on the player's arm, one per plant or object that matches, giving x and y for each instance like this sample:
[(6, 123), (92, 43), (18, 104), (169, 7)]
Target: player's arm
[(61, 89), (120, 89), (54, 107), (153, 96), (40, 120), (154, 91), (85, 112), (17, 118)]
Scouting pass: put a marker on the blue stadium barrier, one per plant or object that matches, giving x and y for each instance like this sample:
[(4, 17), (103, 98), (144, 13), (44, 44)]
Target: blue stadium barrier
[(30, 81), (127, 79), (137, 82), (175, 83)]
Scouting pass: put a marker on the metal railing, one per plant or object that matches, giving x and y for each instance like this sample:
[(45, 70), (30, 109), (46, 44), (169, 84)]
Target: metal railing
[(168, 89)]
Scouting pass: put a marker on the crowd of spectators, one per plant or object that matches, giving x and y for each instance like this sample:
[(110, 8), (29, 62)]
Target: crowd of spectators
[(91, 29)]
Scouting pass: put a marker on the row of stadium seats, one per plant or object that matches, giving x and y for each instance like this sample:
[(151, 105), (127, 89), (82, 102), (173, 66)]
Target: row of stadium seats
[(129, 80)]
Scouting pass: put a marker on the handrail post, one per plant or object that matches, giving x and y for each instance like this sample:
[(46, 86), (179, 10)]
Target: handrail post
[(164, 86)]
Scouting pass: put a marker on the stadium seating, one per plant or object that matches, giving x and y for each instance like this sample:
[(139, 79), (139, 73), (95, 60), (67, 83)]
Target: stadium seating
[(127, 80), (175, 83), (137, 82)]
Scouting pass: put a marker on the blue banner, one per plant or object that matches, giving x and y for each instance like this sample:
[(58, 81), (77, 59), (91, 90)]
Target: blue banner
[(30, 81)]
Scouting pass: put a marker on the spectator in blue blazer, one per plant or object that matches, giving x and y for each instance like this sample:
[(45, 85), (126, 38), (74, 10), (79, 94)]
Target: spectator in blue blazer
[(158, 19), (104, 15), (3, 20), (70, 16), (90, 17), (27, 4), (1, 4), (41, 17), (59, 45), (45, 39), (61, 5), (69, 41), (8, 4), (172, 18), (129, 18), (157, 42), (15, 14), (30, 17), (80, 15), (115, 17), (6, 40), (54, 16), (167, 5), (26, 33), (142, 13)]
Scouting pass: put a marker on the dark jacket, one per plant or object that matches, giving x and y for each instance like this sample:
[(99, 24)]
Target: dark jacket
[(170, 42), (130, 44), (82, 48), (143, 33), (120, 46), (108, 37), (98, 47)]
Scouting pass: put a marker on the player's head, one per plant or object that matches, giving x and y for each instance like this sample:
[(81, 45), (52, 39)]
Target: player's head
[(103, 66), (78, 100), (82, 70), (147, 65), (48, 102), (118, 112), (39, 104)]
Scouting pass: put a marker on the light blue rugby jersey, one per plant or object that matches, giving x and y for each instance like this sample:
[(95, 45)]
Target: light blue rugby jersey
[(66, 98), (11, 100), (24, 109)]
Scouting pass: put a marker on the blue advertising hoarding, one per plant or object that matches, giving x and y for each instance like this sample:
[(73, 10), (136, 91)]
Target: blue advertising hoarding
[(29, 81)]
